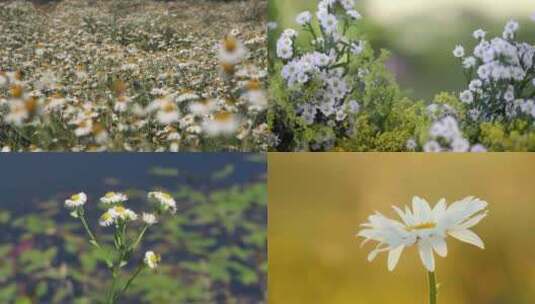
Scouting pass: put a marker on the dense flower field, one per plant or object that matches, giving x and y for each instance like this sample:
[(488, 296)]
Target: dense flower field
[(133, 76)]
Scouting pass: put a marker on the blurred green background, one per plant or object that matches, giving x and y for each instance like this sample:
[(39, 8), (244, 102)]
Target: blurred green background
[(318, 201), (421, 34), (213, 250)]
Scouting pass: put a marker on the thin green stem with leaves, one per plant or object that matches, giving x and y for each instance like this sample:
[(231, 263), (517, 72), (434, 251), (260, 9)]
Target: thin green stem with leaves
[(92, 238)]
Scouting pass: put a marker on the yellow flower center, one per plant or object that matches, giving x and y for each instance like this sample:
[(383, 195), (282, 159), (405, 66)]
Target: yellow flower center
[(421, 226), (120, 209), (154, 259), (109, 194), (75, 197), (16, 90), (166, 196), (230, 44), (105, 217), (222, 116)]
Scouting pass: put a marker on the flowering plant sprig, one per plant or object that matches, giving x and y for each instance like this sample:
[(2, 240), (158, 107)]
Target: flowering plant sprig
[(427, 228), (318, 73), (500, 76), (124, 244)]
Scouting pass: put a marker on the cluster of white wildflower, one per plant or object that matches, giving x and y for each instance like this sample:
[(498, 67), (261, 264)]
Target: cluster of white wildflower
[(445, 134), (125, 243), (501, 76), (117, 214), (325, 67)]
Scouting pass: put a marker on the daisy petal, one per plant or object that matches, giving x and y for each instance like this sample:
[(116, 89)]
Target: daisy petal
[(426, 255), (440, 247), (467, 236), (393, 257), (473, 221)]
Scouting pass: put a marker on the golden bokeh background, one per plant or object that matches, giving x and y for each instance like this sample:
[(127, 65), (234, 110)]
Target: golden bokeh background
[(317, 201)]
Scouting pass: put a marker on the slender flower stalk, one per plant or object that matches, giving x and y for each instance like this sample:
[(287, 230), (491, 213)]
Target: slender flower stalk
[(432, 287)]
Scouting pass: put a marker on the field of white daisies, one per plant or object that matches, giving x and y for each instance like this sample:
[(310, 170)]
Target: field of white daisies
[(133, 75), (330, 90)]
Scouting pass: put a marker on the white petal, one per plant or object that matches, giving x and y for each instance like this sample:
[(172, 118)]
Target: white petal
[(473, 221), (426, 255), (373, 254), (393, 257), (439, 209), (440, 247), (467, 236), (404, 217), (422, 210)]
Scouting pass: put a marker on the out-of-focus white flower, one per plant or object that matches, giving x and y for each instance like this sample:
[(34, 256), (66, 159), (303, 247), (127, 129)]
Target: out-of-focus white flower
[(116, 213), (76, 200), (220, 123), (114, 198), (458, 51), (165, 200), (203, 107), (479, 34), (304, 18), (149, 218), (467, 96), (151, 259), (424, 227), (231, 51)]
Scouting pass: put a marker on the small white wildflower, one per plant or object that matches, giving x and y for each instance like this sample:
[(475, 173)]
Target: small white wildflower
[(114, 198), (76, 200), (467, 96), (151, 259), (458, 51), (165, 200), (479, 34), (149, 218), (304, 18)]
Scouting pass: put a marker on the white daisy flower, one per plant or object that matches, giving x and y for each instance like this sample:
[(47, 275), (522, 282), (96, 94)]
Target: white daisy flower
[(165, 200), (149, 218), (151, 259), (76, 200), (114, 198), (106, 219), (425, 227)]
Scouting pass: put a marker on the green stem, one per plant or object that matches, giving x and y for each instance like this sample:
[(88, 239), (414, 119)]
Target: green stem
[(134, 246), (432, 287), (111, 291), (91, 236), (132, 278)]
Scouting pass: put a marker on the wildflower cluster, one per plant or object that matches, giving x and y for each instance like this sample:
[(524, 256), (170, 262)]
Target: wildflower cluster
[(322, 70), (323, 88), (93, 79), (124, 244), (500, 75), (497, 110)]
